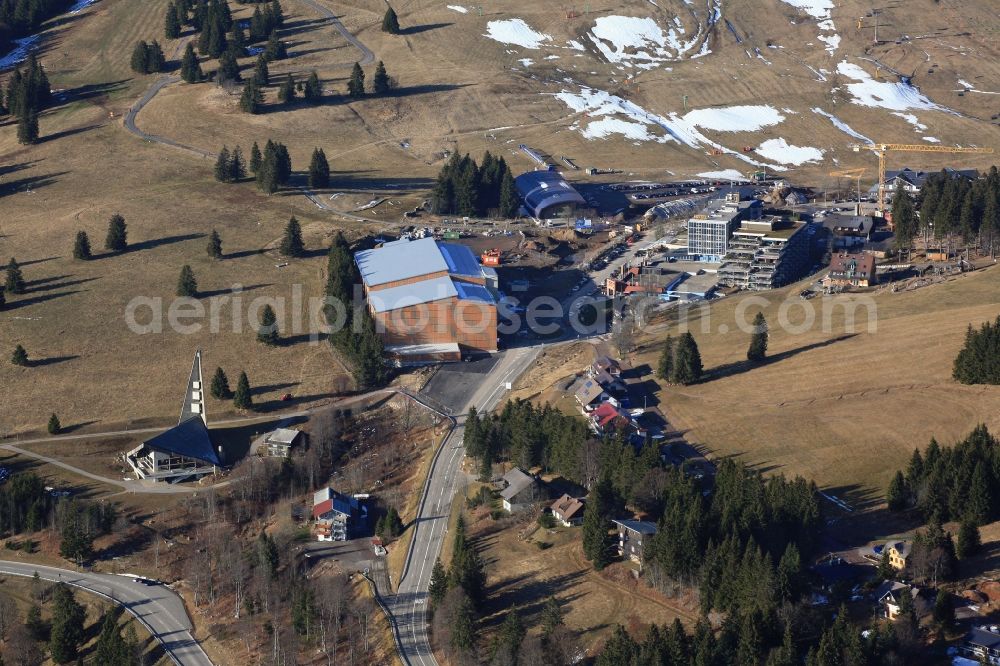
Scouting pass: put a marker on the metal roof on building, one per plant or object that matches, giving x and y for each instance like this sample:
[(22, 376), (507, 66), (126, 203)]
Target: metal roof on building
[(189, 439), (543, 189), (473, 292), (400, 261), (460, 260), (640, 526), (426, 291)]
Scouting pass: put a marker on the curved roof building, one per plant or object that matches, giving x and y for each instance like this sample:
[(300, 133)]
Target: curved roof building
[(546, 194)]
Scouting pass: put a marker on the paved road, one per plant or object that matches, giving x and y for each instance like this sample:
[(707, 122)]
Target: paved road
[(445, 479), (156, 606), (367, 57)]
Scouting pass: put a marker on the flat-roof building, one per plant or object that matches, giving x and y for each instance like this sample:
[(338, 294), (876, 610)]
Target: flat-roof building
[(547, 195), (429, 299), (765, 254), (710, 230)]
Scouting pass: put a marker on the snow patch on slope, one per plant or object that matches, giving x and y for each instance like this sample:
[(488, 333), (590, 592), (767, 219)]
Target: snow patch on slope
[(842, 126), (515, 32), (779, 150), (883, 94)]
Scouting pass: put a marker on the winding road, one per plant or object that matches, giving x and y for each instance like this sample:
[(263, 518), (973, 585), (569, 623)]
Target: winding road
[(158, 607)]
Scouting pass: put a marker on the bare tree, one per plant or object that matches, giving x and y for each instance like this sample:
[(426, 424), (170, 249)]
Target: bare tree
[(21, 649), (8, 615)]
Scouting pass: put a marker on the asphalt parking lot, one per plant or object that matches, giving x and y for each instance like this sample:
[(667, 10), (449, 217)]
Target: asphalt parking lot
[(353, 555), (454, 382)]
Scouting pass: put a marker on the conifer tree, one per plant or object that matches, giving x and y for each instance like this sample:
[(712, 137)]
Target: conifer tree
[(3, 296), (27, 128), (356, 84), (187, 285), (291, 242), (261, 73), (220, 385), (215, 245), (275, 48), (267, 332), (898, 495), (687, 361), (904, 218), (319, 170), (439, 584), (117, 238), (255, 158), (14, 282), (171, 23), (380, 81), (81, 246), (758, 340), (155, 60), (313, 90), (509, 200), (140, 58), (596, 523), (252, 98), (242, 399), (286, 92), (222, 166), (237, 166), (190, 67), (665, 366), (19, 357), (67, 632), (390, 22), (229, 69), (969, 541), (54, 426), (277, 16)]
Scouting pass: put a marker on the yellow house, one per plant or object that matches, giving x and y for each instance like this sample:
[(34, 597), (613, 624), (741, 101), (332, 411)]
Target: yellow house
[(899, 553)]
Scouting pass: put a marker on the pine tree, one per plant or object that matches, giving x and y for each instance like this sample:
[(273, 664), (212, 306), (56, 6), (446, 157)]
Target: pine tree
[(171, 24), (255, 158), (19, 357), (944, 613), (3, 296), (356, 85), (596, 523), (275, 48), (237, 166), (252, 98), (242, 398), (313, 90), (509, 200), (904, 218), (439, 584), (267, 332), (969, 541), (665, 366), (687, 361), (390, 22), (140, 58), (220, 385), (463, 625), (898, 495), (758, 340), (155, 60), (190, 67), (229, 69), (222, 166), (286, 92), (27, 128), (380, 81), (291, 243), (187, 285), (81, 246), (277, 16), (261, 73), (215, 245), (319, 170), (67, 633), (117, 238), (54, 426), (14, 282)]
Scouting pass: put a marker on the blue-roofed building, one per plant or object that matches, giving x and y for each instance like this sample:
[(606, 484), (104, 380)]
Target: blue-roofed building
[(432, 301), (547, 195), (337, 516), (186, 451)]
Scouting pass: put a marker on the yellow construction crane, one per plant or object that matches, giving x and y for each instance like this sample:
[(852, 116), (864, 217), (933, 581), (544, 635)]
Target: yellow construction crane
[(881, 149)]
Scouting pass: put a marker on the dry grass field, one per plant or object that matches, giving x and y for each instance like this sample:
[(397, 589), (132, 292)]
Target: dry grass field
[(456, 88), (844, 407)]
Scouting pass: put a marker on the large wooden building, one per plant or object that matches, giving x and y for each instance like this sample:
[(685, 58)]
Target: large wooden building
[(430, 300)]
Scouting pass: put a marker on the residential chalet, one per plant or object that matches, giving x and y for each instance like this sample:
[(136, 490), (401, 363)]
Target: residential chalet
[(568, 511), (851, 270), (631, 535), (520, 490), (278, 444), (338, 517)]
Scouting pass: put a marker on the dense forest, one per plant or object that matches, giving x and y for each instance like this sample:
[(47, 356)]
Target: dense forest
[(979, 360), (951, 207), (466, 188), (20, 18), (952, 483)]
